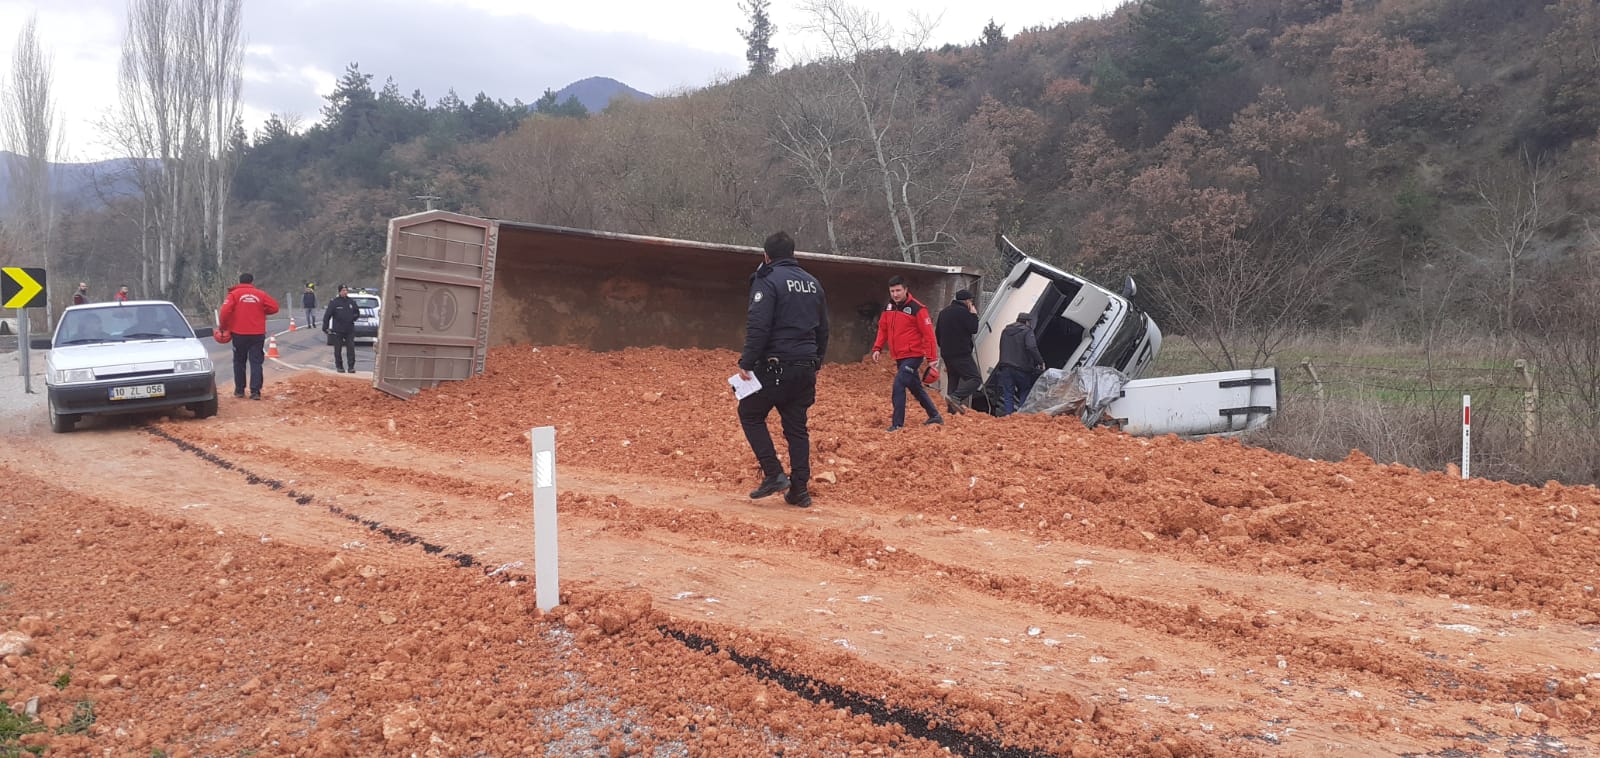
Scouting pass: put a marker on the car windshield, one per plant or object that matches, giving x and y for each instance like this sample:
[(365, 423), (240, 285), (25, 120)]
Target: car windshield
[(146, 321), (365, 301)]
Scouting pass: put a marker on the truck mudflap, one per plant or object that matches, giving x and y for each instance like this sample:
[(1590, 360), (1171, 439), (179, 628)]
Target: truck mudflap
[(1193, 405)]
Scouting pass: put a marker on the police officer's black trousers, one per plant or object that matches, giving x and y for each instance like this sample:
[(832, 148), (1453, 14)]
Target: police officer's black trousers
[(346, 342), (792, 389)]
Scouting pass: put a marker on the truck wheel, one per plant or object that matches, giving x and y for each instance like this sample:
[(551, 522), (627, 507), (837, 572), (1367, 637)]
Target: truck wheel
[(61, 423)]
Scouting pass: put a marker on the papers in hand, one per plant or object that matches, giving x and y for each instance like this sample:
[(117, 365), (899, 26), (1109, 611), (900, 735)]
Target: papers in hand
[(743, 388)]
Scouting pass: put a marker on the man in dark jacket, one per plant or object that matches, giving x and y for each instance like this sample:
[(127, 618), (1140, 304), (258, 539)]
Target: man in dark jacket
[(339, 323), (785, 340), (906, 330), (308, 301), (1020, 362), (244, 313), (957, 323)]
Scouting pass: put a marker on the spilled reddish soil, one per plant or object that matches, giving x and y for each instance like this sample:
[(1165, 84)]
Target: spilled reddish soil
[(337, 572)]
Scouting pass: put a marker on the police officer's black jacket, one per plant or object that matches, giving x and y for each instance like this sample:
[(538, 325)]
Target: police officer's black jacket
[(788, 317), (340, 318)]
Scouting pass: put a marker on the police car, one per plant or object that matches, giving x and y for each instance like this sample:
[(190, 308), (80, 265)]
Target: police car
[(371, 310), (127, 357)]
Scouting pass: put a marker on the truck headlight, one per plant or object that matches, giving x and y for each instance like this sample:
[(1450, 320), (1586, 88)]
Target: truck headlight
[(196, 366), (70, 376)]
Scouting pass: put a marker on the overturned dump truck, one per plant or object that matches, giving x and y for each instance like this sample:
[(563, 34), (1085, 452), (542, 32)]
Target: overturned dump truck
[(456, 285), (1081, 327)]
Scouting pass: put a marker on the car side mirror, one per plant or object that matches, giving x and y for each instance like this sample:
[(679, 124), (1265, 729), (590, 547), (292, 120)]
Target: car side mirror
[(39, 343), (203, 332), (1129, 289)]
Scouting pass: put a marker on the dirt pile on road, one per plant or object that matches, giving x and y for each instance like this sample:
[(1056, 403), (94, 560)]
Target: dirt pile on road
[(669, 413), (336, 572), (147, 635)]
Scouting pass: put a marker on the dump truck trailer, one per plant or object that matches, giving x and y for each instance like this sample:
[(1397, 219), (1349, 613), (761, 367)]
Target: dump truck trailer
[(456, 285)]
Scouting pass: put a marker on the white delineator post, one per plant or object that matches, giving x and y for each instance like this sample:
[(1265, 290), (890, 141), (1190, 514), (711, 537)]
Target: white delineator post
[(546, 575), (1466, 436)]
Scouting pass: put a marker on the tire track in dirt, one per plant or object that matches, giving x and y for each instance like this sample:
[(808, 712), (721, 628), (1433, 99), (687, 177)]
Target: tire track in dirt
[(288, 686), (918, 724), (1239, 631)]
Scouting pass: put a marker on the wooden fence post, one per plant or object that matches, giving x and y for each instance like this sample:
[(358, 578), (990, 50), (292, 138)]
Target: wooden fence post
[(1530, 404), (1316, 383)]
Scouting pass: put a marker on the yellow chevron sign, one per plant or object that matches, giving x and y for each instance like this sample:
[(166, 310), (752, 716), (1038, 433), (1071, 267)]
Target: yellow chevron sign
[(21, 287)]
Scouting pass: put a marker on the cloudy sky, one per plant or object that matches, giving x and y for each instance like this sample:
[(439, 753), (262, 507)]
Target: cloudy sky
[(296, 49)]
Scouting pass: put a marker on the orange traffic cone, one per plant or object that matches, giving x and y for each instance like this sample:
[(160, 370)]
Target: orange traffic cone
[(272, 347), (291, 323)]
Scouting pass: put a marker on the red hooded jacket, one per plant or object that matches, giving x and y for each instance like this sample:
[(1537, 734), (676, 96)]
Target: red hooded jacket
[(907, 330), (246, 309)]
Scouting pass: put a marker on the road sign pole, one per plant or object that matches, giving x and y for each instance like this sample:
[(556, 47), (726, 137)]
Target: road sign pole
[(22, 349)]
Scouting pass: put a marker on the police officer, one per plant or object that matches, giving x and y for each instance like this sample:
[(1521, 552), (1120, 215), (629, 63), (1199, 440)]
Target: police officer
[(786, 338)]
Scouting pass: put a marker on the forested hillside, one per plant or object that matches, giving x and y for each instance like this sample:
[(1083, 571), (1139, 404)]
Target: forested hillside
[(1260, 165)]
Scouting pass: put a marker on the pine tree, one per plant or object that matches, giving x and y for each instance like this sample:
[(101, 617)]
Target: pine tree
[(352, 103), (758, 38), (1178, 48), (993, 38)]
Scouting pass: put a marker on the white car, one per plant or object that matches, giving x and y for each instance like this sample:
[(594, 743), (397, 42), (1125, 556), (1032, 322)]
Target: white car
[(129, 357), (371, 310)]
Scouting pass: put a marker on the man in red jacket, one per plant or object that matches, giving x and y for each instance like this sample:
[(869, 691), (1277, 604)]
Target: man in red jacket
[(906, 329), (244, 312)]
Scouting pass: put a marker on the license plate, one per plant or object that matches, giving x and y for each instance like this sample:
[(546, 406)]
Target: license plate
[(139, 392)]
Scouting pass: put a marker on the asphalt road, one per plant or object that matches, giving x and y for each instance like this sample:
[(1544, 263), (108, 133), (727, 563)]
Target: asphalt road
[(297, 350)]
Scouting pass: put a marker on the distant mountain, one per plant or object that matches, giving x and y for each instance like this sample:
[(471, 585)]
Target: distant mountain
[(79, 185), (596, 92)]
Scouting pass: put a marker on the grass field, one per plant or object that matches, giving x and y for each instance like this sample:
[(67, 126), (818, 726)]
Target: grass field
[(1401, 401)]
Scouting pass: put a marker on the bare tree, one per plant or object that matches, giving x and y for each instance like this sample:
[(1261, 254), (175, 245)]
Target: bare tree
[(1259, 291), (33, 135), (813, 130), (905, 138), (179, 112), (1515, 203)]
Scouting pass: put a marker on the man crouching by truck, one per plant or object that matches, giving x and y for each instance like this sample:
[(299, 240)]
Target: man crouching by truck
[(785, 339)]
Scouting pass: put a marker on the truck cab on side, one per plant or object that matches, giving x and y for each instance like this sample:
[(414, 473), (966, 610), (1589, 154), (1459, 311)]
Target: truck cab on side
[(1078, 323)]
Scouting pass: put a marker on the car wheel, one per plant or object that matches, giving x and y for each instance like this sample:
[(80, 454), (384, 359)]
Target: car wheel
[(61, 423), (205, 410)]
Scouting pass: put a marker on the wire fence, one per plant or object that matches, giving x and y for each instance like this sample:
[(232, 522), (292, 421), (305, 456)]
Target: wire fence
[(1526, 426)]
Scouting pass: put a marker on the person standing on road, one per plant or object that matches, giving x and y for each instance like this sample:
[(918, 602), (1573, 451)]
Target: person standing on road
[(244, 312), (785, 340), (906, 329), (339, 323), (957, 323), (82, 295), (122, 294), (308, 301), (1020, 362)]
